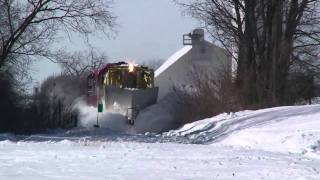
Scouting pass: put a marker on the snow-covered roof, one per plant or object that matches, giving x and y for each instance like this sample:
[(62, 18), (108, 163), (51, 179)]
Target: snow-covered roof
[(172, 59)]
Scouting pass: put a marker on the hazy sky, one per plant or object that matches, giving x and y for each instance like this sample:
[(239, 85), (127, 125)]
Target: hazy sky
[(148, 29)]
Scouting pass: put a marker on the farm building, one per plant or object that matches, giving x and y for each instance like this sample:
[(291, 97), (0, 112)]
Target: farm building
[(196, 55)]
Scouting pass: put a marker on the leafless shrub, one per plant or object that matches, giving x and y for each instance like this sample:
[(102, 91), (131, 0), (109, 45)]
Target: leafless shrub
[(206, 95), (300, 87), (54, 101)]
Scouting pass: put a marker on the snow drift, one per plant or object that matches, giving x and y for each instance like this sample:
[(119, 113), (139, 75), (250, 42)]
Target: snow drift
[(294, 129)]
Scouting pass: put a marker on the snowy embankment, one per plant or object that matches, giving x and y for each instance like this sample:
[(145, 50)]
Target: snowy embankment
[(277, 143), (293, 129)]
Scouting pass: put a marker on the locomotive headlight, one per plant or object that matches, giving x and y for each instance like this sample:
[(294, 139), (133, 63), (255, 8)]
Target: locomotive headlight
[(131, 67)]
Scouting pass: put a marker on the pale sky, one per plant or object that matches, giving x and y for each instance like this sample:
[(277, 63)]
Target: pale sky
[(148, 29)]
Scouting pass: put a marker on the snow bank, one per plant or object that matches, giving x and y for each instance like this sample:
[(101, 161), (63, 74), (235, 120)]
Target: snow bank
[(293, 129), (7, 137)]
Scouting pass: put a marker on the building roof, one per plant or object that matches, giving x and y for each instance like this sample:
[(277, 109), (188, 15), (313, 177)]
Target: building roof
[(174, 58)]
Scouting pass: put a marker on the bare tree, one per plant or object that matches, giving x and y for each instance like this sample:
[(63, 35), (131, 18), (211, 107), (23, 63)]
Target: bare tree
[(79, 64), (205, 95), (267, 38), (28, 27)]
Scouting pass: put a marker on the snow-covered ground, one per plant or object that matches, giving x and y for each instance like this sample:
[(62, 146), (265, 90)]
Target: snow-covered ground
[(127, 160), (277, 143)]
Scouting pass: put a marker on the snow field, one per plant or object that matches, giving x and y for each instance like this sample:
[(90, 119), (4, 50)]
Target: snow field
[(126, 160), (276, 143)]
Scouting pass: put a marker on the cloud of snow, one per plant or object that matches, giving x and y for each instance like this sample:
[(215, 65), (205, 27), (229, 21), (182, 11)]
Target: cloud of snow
[(87, 117), (156, 118)]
